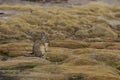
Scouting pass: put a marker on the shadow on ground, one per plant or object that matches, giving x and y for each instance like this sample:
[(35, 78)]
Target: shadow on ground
[(3, 76)]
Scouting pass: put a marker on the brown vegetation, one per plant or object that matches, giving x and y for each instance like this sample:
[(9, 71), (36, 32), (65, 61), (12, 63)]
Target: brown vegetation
[(84, 42)]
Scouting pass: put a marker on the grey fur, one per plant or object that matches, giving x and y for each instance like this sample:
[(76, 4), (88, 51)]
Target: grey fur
[(39, 41)]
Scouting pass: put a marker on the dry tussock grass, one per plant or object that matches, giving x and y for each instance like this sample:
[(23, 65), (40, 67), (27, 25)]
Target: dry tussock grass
[(60, 48), (89, 71), (60, 23), (79, 61), (108, 58), (73, 64), (92, 50), (84, 51), (103, 78), (71, 44), (74, 44), (16, 49), (96, 60)]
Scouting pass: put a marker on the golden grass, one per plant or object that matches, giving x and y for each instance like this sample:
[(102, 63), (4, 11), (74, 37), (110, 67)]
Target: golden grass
[(60, 22), (80, 61), (89, 71), (17, 48), (71, 44), (76, 62), (22, 60), (92, 50), (60, 48), (88, 25), (18, 7)]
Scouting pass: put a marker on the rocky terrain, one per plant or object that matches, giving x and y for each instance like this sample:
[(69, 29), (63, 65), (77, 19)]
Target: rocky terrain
[(84, 42)]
